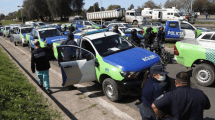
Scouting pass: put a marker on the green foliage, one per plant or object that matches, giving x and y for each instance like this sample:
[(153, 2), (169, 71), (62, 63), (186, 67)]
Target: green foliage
[(113, 7), (18, 98), (8, 22), (95, 6)]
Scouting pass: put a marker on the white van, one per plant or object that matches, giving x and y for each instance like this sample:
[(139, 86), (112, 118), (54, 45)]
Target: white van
[(164, 14), (147, 12)]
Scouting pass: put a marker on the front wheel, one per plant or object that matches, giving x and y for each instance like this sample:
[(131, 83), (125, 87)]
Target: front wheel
[(111, 90), (204, 74), (166, 57)]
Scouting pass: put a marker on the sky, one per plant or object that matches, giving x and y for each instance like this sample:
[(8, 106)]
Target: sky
[(7, 6)]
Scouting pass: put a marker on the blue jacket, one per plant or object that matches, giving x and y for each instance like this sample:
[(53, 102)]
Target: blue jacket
[(153, 89)]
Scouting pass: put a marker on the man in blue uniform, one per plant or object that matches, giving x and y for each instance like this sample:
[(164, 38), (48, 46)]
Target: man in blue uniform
[(153, 86), (184, 102)]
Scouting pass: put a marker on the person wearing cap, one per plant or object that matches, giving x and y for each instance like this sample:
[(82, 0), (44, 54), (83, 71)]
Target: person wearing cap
[(184, 102), (161, 35), (134, 38), (155, 83), (149, 37), (40, 57)]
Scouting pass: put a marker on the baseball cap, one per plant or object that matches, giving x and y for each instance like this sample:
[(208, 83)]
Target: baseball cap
[(158, 68)]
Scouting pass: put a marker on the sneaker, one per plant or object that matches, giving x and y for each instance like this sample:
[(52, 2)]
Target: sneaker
[(49, 91)]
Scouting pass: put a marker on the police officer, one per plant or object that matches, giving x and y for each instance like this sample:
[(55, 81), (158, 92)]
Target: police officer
[(184, 102), (116, 29), (71, 29), (134, 38), (149, 37), (40, 57), (155, 83), (161, 35)]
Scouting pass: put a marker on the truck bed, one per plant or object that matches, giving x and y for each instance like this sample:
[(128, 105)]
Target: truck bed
[(190, 41)]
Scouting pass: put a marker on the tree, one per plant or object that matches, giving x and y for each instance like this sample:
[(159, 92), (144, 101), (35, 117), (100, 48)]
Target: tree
[(131, 7), (94, 8), (150, 4), (113, 7), (2, 16)]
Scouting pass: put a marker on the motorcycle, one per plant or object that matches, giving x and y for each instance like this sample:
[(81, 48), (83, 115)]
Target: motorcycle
[(158, 48)]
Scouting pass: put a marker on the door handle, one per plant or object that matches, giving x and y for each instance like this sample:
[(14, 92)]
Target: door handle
[(68, 66)]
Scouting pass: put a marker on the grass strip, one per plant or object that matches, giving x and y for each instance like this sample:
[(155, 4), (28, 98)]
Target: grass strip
[(18, 98), (8, 22)]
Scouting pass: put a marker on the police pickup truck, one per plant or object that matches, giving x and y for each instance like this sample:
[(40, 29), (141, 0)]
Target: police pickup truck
[(198, 54), (50, 34), (20, 35), (85, 24), (107, 58), (179, 30), (6, 31)]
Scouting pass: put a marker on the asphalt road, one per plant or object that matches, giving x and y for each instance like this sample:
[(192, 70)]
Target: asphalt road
[(173, 68)]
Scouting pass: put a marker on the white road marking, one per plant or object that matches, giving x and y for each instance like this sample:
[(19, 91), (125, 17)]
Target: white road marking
[(99, 100)]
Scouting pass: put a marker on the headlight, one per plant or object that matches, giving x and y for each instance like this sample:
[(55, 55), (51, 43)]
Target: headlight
[(129, 74)]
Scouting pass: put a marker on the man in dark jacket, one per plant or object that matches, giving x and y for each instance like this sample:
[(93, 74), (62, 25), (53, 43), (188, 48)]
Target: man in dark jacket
[(116, 29), (161, 35), (40, 57), (184, 102), (134, 38), (149, 37)]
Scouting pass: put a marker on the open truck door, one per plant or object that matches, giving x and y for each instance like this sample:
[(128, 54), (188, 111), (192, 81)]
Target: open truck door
[(77, 65)]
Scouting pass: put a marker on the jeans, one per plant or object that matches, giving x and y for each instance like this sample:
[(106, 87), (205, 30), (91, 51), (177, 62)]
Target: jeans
[(44, 75), (146, 114)]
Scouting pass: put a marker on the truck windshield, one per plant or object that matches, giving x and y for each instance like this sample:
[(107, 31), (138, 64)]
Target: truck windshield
[(137, 14), (125, 30), (111, 44), (128, 25), (7, 28), (49, 33), (93, 23), (26, 30), (181, 14)]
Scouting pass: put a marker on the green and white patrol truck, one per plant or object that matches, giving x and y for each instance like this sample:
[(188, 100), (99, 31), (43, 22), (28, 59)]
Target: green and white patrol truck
[(107, 58), (198, 54)]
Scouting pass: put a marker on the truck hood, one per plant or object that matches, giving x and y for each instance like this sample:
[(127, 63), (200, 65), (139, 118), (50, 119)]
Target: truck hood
[(50, 40), (135, 59)]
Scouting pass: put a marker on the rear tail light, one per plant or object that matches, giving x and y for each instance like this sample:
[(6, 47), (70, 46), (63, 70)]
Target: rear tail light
[(143, 31), (176, 51)]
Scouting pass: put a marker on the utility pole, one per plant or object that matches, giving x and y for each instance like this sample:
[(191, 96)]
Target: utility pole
[(21, 13), (101, 11), (191, 5)]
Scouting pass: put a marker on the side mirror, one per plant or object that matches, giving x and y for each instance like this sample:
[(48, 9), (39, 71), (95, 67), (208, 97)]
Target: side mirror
[(35, 37)]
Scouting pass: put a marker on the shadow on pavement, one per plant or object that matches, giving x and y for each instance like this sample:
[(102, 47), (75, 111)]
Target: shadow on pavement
[(64, 109), (209, 118)]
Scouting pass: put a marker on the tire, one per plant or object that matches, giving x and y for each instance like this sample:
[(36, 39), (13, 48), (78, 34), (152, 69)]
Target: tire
[(111, 90), (204, 74), (135, 23), (30, 48), (166, 57)]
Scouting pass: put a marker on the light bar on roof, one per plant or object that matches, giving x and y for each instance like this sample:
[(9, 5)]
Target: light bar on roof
[(94, 32)]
